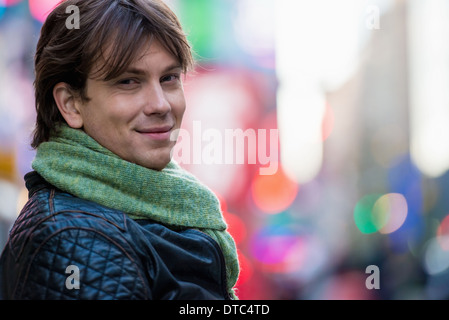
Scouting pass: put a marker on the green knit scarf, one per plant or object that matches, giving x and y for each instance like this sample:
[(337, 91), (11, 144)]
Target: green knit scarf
[(75, 163)]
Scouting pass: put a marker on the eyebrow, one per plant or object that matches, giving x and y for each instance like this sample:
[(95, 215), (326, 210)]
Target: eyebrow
[(140, 72)]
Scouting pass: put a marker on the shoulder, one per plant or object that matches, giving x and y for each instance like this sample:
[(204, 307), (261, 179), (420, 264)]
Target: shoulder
[(50, 211), (57, 233)]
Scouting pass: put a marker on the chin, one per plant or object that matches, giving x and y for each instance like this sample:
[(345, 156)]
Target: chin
[(157, 165)]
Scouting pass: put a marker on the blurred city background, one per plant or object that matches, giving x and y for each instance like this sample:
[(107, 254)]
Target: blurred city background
[(349, 102)]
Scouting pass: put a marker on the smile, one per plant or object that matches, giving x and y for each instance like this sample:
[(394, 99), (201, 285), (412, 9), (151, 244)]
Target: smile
[(157, 133)]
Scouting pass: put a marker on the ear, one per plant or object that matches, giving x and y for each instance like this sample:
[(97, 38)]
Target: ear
[(68, 105)]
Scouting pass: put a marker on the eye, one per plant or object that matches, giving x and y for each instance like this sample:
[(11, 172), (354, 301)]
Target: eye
[(127, 82), (170, 78)]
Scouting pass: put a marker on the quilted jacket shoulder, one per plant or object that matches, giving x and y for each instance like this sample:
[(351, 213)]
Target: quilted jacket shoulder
[(63, 247)]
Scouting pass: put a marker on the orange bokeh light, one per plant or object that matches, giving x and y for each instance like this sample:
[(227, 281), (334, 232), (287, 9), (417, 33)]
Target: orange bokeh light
[(274, 193)]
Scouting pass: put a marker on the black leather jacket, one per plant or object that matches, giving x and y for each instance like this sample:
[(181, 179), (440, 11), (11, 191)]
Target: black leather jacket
[(63, 247)]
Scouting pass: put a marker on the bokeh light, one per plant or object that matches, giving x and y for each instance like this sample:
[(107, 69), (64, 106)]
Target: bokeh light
[(443, 233), (429, 112), (364, 218), (273, 193), (390, 211), (40, 9), (278, 249), (436, 259), (380, 213)]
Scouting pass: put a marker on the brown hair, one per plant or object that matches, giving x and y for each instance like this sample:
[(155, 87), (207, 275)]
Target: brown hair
[(68, 55)]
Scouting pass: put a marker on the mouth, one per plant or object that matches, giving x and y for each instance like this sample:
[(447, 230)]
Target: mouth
[(157, 133)]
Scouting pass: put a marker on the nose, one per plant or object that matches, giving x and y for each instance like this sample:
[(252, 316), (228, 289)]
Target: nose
[(156, 100)]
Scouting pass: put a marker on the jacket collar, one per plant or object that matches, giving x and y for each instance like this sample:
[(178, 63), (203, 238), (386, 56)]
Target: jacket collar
[(34, 182)]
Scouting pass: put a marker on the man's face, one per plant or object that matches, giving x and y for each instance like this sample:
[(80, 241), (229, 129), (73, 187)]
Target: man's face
[(134, 115)]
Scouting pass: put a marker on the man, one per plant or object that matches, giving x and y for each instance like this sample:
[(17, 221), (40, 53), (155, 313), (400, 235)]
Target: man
[(110, 215)]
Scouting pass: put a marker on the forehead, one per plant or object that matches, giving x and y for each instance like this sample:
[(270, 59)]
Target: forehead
[(154, 52), (113, 60)]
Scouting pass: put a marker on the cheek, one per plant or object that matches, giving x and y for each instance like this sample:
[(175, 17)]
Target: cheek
[(178, 104), (107, 119), (121, 110)]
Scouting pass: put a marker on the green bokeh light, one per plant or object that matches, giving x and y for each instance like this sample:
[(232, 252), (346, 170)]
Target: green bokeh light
[(365, 220), (199, 20)]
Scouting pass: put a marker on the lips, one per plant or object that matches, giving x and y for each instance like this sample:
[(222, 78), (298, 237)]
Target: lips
[(157, 133), (162, 129)]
